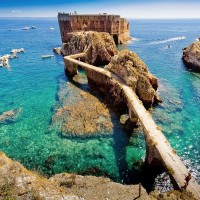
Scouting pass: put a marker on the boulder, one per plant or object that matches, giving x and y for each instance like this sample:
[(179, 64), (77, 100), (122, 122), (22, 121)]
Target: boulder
[(191, 56), (57, 50), (99, 47), (128, 66)]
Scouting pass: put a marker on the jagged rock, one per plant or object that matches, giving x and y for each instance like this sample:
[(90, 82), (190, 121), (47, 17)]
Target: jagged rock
[(10, 116), (16, 182), (57, 50), (128, 66), (99, 47), (191, 56)]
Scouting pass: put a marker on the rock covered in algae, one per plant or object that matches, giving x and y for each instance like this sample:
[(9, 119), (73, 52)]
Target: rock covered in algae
[(16, 182), (10, 116), (191, 56), (81, 113), (128, 66), (99, 47)]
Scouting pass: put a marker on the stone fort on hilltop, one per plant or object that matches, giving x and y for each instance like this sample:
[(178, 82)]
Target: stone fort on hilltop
[(115, 25)]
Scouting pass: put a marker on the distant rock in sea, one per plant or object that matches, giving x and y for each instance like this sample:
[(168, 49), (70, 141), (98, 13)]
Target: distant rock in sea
[(191, 56), (99, 47)]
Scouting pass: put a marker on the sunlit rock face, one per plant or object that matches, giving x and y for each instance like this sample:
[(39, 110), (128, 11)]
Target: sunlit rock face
[(16, 182), (191, 56), (128, 66), (99, 47)]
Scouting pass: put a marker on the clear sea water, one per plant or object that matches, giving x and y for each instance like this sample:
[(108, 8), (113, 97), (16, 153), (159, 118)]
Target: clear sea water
[(32, 85)]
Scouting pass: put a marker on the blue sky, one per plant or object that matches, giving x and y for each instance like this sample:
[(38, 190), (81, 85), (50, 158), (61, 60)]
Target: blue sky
[(126, 8)]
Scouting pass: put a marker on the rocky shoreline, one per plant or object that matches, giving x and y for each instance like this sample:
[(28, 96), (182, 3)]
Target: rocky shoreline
[(16, 182)]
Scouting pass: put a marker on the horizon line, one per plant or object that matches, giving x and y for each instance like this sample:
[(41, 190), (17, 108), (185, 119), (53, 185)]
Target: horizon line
[(120, 15)]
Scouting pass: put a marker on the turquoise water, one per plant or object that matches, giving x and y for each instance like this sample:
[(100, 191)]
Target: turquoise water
[(33, 83)]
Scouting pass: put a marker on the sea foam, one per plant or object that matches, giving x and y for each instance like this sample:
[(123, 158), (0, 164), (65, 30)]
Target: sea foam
[(168, 40)]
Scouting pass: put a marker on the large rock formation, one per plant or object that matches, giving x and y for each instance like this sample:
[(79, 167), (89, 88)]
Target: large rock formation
[(191, 56), (16, 182), (128, 66), (99, 47)]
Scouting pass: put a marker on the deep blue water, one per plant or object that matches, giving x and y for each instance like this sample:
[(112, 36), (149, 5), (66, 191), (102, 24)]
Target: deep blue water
[(32, 84)]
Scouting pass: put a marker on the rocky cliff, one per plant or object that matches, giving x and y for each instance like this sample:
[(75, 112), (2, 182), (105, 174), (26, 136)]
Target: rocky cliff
[(98, 46), (16, 182), (191, 56), (128, 66)]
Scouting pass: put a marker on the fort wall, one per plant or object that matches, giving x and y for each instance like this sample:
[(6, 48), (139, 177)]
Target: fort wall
[(113, 24)]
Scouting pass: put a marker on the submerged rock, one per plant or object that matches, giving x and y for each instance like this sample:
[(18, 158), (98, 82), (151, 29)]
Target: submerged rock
[(128, 66), (16, 182), (10, 116), (191, 56), (99, 47), (81, 113)]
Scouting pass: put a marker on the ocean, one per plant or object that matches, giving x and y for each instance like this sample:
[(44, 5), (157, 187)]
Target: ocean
[(32, 85)]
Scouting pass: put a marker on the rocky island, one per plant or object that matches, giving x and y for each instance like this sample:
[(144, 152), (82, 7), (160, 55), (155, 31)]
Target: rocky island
[(191, 56)]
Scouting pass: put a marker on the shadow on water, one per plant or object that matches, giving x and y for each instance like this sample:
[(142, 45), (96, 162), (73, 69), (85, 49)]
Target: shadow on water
[(120, 140)]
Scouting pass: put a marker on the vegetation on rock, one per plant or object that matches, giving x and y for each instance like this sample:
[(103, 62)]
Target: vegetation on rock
[(128, 66), (99, 47)]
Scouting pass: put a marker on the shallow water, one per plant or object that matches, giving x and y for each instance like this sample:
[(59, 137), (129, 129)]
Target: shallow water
[(33, 83)]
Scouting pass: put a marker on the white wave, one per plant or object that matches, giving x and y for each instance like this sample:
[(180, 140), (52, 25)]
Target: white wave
[(168, 40), (134, 39)]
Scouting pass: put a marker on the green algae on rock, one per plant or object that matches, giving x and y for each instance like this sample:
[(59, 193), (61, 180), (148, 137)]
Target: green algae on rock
[(84, 117)]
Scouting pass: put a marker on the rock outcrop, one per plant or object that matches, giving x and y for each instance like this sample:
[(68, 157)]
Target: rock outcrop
[(128, 66), (99, 47), (16, 182), (57, 50), (191, 56)]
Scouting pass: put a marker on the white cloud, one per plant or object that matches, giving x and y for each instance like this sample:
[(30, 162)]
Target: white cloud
[(16, 11)]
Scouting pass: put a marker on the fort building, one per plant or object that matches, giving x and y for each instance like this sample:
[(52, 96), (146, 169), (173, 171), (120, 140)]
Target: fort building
[(115, 25)]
